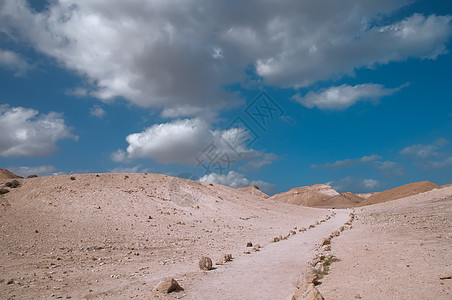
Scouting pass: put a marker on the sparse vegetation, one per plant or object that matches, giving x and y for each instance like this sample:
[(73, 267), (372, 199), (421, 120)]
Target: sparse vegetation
[(326, 266), (4, 191), (12, 184), (72, 178), (32, 176)]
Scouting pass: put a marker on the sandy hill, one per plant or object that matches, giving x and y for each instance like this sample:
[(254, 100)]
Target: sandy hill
[(314, 195), (253, 190), (102, 236), (6, 174), (343, 200), (446, 185), (400, 192)]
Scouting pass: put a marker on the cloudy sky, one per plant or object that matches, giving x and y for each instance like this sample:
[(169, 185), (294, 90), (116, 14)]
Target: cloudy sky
[(356, 94)]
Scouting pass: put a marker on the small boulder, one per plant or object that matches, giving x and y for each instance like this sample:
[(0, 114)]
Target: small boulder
[(167, 285), (225, 258), (326, 241), (205, 263), (307, 292), (249, 244)]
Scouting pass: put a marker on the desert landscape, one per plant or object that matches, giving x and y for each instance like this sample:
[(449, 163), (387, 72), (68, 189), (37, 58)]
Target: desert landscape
[(118, 236)]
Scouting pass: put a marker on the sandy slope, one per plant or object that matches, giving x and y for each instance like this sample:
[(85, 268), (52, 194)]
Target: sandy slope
[(115, 236), (400, 192), (395, 250), (314, 195)]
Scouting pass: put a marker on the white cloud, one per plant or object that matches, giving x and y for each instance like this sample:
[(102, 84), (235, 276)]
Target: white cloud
[(164, 54), (387, 168), (135, 169), (390, 168), (356, 185), (348, 163), (97, 111), (14, 62), (343, 96), (421, 151), (190, 142), (236, 180), (24, 133), (428, 156), (439, 164), (39, 170)]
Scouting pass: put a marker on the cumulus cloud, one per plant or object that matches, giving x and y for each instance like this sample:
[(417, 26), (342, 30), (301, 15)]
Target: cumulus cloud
[(236, 180), (38, 170), (390, 168), (25, 133), (190, 142), (14, 62), (355, 184), (135, 169), (97, 111), (386, 167), (348, 163), (429, 156), (343, 96), (424, 151), (167, 54)]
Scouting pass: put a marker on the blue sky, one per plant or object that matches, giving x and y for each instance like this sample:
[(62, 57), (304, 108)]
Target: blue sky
[(355, 94)]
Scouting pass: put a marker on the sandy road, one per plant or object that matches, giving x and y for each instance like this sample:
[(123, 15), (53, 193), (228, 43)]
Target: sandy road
[(272, 273)]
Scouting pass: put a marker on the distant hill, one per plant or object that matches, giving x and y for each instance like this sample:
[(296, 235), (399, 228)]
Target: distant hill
[(343, 200), (314, 195), (253, 190), (400, 192), (6, 174)]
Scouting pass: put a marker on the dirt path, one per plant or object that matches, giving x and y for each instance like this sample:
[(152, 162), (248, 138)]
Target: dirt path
[(272, 273)]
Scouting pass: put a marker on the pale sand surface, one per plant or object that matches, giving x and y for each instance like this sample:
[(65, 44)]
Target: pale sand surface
[(395, 250), (272, 273), (114, 236)]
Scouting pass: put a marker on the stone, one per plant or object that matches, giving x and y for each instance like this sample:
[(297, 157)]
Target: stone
[(249, 244), (167, 285), (292, 232), (307, 292), (327, 248), (325, 241), (273, 240), (308, 278), (319, 267), (225, 258), (205, 263)]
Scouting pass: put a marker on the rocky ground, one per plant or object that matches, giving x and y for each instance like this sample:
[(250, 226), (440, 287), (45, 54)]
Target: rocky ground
[(396, 250), (115, 236)]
